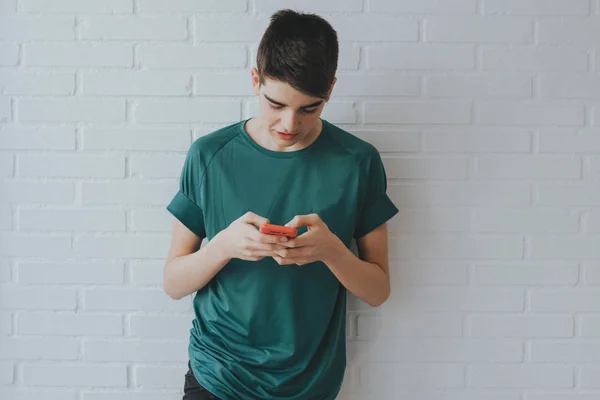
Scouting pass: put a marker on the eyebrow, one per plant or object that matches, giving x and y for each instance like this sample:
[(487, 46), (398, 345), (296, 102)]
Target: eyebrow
[(317, 103)]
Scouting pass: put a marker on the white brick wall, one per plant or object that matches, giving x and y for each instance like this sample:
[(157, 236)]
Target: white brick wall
[(486, 113)]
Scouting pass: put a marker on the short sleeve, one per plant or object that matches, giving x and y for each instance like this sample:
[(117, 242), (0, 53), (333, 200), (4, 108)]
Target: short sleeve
[(377, 207), (186, 204)]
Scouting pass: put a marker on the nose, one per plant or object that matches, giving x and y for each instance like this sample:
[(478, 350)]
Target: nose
[(290, 122)]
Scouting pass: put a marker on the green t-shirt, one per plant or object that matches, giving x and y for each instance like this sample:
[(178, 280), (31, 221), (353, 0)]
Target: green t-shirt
[(262, 330)]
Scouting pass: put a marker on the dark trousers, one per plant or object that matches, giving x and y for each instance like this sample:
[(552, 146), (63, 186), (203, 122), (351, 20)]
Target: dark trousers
[(192, 389)]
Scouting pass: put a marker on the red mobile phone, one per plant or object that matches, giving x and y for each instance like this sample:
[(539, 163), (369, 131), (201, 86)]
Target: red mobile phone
[(280, 230)]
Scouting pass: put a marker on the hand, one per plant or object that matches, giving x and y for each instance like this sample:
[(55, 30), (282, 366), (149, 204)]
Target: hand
[(242, 240), (317, 244)]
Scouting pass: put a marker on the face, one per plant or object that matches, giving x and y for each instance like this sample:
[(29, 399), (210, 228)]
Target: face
[(289, 119)]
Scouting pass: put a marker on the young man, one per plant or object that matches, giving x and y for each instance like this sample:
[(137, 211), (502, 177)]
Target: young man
[(270, 312)]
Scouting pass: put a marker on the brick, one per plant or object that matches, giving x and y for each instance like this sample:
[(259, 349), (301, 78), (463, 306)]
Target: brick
[(460, 194), (8, 6), (436, 350), (538, 59), (412, 273), (536, 167), (532, 326), (568, 351), (70, 219), (13, 137), (130, 351), (5, 109), (7, 370), (521, 221), (19, 298), (158, 377), (592, 275), (348, 57), (69, 324), (78, 166), (376, 85), (186, 56), (28, 394), (537, 7), (179, 111), (229, 6), (590, 326), (75, 375), (396, 376), (579, 33), (375, 28), (37, 192), (5, 274), (370, 327), (77, 55), (421, 56), (561, 396), (593, 221), (32, 83), (138, 83), (152, 300), (565, 300), (134, 28), (71, 110), (480, 86), (476, 140), (21, 245), (217, 28), (565, 247), (6, 165), (459, 299), (417, 112), (39, 348), (5, 217), (526, 275), (161, 326), (424, 7), (340, 112), (156, 166), (37, 28), (522, 376), (426, 167), (430, 220), (147, 273), (549, 114), (223, 84), (121, 246), (569, 87), (136, 139), (70, 273), (588, 377), (9, 54), (143, 395), (5, 323), (270, 6), (568, 195), (478, 30), (390, 141), (132, 193), (453, 246), (77, 6), (152, 221)]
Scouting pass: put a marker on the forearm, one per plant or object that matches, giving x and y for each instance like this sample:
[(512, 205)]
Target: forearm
[(187, 274), (363, 279)]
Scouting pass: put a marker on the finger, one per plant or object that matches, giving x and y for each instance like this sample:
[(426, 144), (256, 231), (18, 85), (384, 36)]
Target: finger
[(298, 241), (304, 220), (283, 261), (265, 238), (254, 219), (265, 246)]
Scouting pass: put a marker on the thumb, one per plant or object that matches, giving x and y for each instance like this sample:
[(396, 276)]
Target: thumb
[(254, 219), (300, 220)]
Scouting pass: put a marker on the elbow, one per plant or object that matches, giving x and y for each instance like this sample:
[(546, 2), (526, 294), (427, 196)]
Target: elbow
[(380, 299), (170, 289)]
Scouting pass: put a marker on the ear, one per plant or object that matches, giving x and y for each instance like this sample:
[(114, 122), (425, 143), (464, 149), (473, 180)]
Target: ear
[(255, 81)]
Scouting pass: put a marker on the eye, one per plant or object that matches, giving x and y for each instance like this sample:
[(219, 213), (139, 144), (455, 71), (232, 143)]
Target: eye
[(309, 111), (275, 107)]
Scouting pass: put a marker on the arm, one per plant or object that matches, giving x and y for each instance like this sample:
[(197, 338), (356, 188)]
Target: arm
[(188, 267), (367, 277)]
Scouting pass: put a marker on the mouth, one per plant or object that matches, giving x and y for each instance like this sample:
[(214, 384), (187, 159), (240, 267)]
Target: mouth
[(286, 136)]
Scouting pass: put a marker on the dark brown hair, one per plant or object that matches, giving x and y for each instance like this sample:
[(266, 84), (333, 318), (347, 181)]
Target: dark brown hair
[(300, 49)]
